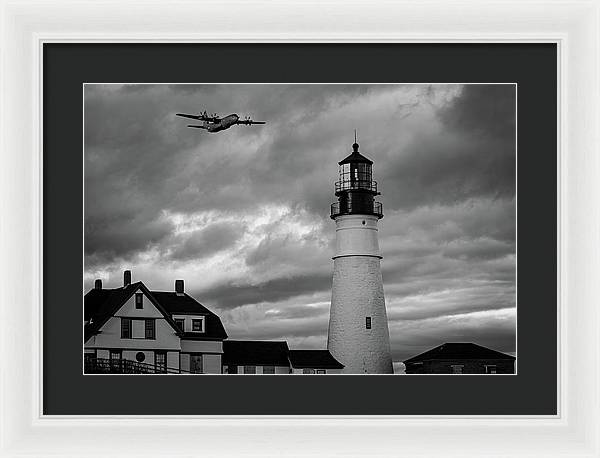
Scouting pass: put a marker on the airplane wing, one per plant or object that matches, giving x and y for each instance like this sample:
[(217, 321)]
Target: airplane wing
[(249, 122), (183, 115), (202, 117), (197, 127)]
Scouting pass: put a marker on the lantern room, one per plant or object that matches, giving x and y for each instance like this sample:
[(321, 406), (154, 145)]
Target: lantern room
[(356, 188), (356, 173)]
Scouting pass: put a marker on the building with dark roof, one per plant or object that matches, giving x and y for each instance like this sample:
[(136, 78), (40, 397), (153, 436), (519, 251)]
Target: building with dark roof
[(460, 358), (274, 357), (255, 357), (133, 329), (314, 362)]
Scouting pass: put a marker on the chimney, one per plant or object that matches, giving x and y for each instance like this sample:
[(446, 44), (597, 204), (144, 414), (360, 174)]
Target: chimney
[(179, 286), (127, 278), (98, 284)]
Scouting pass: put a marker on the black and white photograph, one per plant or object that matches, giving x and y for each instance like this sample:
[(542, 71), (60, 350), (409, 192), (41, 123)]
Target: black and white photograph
[(299, 229)]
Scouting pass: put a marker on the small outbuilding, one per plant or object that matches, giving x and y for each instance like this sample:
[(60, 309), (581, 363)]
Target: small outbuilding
[(255, 357), (461, 358), (314, 362)]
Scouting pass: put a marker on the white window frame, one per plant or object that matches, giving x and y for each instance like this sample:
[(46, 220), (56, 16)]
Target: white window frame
[(203, 320)]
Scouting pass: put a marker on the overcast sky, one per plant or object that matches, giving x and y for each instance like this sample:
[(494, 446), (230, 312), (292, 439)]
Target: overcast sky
[(243, 215)]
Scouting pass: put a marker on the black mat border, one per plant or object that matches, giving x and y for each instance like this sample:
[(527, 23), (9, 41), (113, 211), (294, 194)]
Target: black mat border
[(532, 392)]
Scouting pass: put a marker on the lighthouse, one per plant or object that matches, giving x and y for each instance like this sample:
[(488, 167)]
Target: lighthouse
[(358, 334)]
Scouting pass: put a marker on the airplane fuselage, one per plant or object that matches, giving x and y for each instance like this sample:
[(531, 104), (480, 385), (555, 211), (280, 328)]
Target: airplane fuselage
[(224, 123)]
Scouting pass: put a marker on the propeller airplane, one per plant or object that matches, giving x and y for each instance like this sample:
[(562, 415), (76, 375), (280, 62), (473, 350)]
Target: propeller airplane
[(214, 123)]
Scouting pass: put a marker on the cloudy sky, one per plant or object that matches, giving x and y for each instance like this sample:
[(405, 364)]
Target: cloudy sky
[(243, 215)]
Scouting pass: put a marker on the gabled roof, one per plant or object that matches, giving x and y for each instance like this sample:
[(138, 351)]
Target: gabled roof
[(102, 304), (255, 353), (99, 303), (314, 359), (182, 304), (459, 350)]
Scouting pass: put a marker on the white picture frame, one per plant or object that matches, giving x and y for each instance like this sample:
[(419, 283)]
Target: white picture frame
[(573, 25)]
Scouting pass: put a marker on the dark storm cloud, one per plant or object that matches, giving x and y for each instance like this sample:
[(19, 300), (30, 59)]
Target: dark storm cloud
[(298, 311), (205, 242), (136, 148), (478, 249), (485, 109), (121, 236), (285, 249), (471, 154), (230, 295)]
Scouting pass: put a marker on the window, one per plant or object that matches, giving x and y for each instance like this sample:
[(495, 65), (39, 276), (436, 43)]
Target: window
[(457, 368), (115, 360), (368, 322), (150, 328), (198, 325), (160, 362), (125, 328), (232, 369), (139, 300), (249, 369), (180, 322), (321, 371), (490, 369), (268, 369), (308, 371), (364, 173), (196, 364)]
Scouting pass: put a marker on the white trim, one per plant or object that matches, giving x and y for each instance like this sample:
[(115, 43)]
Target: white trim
[(573, 24)]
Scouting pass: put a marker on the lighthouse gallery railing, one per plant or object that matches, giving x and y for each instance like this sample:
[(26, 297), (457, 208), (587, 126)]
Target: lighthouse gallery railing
[(375, 208), (346, 185)]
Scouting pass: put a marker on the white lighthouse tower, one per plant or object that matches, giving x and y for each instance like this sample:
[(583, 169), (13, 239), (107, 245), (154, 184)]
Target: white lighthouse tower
[(358, 329)]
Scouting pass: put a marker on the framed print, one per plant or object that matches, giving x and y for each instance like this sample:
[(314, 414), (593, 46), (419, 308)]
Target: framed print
[(347, 231), (245, 203)]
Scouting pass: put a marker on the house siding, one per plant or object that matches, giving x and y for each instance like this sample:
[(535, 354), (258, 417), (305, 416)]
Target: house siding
[(110, 337)]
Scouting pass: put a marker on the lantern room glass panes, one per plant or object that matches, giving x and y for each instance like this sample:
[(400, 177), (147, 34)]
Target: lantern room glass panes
[(356, 176)]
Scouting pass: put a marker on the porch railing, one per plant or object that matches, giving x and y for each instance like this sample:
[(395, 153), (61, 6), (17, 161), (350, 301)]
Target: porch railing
[(125, 366)]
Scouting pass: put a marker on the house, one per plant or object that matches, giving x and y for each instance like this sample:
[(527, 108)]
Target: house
[(314, 362), (460, 358), (133, 329)]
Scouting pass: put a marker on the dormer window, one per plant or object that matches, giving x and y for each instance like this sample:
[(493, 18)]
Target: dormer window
[(180, 322), (139, 300), (198, 324)]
